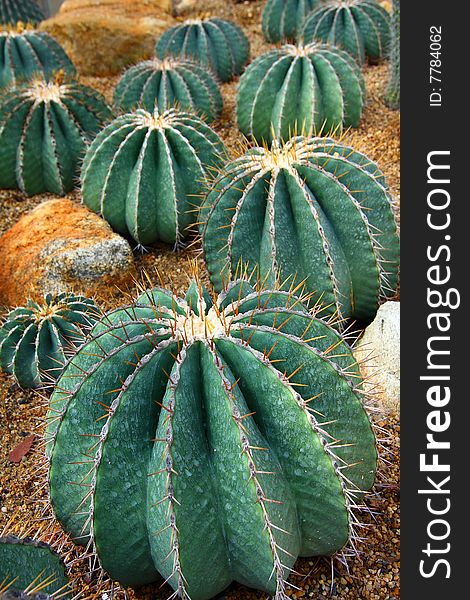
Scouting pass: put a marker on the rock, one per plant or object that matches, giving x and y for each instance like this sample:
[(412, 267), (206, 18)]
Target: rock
[(102, 37), (61, 246), (380, 348)]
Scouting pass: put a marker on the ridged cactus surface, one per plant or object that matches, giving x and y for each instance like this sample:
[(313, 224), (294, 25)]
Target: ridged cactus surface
[(362, 27), (312, 89), (44, 130), (219, 45), (209, 461), (145, 172), (314, 209), (283, 20), (169, 83), (35, 339), (393, 90), (14, 11)]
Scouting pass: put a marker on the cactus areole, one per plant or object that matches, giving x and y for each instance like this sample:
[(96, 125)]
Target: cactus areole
[(211, 441)]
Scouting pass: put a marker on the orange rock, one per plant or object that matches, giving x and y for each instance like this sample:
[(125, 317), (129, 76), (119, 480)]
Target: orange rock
[(61, 246)]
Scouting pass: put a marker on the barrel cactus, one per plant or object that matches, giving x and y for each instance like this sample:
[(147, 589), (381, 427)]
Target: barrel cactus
[(284, 19), (312, 208), (393, 89), (14, 11), (45, 127), (210, 461), (35, 339), (299, 89), (217, 44), (362, 27), (168, 83), (25, 53), (145, 172)]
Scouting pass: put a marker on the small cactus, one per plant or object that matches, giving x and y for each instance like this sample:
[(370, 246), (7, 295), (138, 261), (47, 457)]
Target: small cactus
[(25, 53), (311, 89), (283, 20), (168, 83), (393, 90), (217, 44), (44, 130), (145, 172), (361, 27), (35, 339), (14, 11), (207, 459), (314, 209)]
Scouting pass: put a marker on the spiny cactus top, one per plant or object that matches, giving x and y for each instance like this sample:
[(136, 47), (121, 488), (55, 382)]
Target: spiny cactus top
[(283, 19), (222, 440), (14, 11), (145, 171), (314, 209), (217, 44), (312, 89), (25, 52), (362, 27), (35, 339), (168, 83), (44, 130)]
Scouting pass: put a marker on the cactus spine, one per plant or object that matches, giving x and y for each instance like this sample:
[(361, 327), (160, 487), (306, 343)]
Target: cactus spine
[(361, 27), (44, 130), (283, 20), (313, 209), (217, 44), (311, 89), (14, 11), (168, 83), (144, 173), (393, 90), (235, 476)]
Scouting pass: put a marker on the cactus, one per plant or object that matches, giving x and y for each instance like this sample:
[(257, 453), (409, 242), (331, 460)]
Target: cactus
[(362, 27), (217, 44), (283, 19), (44, 130), (14, 11), (311, 89), (168, 83), (237, 474), (35, 339), (393, 90), (312, 208), (25, 53), (145, 172)]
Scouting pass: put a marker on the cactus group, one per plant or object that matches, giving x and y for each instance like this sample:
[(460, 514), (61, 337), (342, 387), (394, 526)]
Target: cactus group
[(15, 11), (362, 27), (283, 19), (35, 339), (144, 173), (393, 90), (219, 45), (309, 89), (25, 53), (168, 83), (312, 208), (207, 459), (45, 127)]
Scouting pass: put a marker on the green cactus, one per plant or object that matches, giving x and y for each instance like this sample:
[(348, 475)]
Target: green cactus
[(30, 570), (237, 474), (25, 53), (44, 130), (393, 90), (145, 172), (35, 339), (14, 11), (217, 44), (314, 209), (283, 19), (312, 89), (168, 83), (362, 27)]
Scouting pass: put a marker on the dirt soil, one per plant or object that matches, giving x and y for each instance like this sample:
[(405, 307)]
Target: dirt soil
[(371, 575)]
